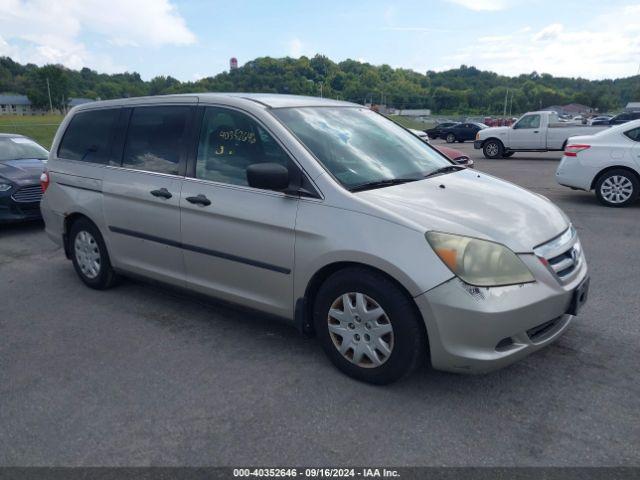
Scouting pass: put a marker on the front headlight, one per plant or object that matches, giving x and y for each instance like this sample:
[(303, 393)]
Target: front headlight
[(479, 262), (4, 187)]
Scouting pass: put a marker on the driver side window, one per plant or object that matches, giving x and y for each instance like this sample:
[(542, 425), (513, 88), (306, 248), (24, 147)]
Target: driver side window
[(230, 141), (530, 121)]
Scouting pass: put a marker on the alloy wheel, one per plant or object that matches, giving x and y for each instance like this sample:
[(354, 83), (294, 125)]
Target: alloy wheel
[(616, 189)]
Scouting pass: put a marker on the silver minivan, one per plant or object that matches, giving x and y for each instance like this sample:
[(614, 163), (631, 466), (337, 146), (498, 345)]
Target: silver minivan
[(322, 212)]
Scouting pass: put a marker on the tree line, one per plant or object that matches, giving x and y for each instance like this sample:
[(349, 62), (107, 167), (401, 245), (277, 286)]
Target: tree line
[(466, 90)]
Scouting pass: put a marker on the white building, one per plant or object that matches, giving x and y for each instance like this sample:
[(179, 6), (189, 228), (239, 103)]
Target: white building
[(633, 107)]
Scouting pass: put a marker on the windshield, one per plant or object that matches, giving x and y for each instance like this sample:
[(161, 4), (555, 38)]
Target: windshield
[(15, 148), (359, 146)]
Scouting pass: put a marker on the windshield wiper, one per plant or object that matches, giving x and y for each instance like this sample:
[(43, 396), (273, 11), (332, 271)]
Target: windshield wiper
[(382, 183), (441, 170)]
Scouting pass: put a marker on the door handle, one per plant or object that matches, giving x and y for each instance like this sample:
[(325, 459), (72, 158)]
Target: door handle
[(199, 200), (536, 131), (162, 193)]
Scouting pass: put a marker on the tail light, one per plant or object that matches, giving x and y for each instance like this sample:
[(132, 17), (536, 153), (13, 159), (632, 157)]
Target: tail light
[(44, 181), (573, 150)]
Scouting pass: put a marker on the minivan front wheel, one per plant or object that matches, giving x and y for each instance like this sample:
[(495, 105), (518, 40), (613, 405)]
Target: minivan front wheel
[(450, 138), (368, 326), (89, 255)]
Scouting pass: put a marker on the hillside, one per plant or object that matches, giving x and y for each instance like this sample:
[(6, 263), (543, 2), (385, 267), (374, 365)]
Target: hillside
[(463, 90)]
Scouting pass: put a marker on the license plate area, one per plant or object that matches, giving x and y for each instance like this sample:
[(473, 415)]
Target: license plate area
[(580, 297)]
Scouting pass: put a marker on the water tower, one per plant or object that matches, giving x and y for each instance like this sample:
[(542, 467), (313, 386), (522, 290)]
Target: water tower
[(233, 63)]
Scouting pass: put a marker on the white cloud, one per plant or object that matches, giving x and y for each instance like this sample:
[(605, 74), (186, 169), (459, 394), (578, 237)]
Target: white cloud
[(295, 48), (46, 31), (478, 5), (604, 47), (552, 32)]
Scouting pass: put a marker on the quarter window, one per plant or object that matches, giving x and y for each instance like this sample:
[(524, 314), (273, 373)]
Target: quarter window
[(88, 136), (230, 141), (633, 134), (156, 139)]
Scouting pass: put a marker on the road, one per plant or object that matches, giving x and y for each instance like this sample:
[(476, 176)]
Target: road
[(142, 375)]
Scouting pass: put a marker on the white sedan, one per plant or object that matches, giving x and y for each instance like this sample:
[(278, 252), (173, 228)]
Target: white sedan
[(607, 162)]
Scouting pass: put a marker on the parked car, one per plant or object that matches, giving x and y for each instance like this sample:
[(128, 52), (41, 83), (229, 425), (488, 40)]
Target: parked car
[(607, 162), (319, 211), (451, 153), (600, 120), (462, 132), (22, 162), (455, 155), (533, 132), (436, 132), (624, 117)]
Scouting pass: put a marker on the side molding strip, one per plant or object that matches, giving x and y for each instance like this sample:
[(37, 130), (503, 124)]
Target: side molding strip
[(204, 251)]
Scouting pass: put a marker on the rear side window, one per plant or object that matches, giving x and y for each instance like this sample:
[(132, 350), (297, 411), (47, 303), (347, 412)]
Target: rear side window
[(634, 134), (156, 139), (88, 136)]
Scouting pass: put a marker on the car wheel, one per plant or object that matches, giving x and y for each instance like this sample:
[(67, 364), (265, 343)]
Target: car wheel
[(368, 327), (507, 154), (617, 188), (493, 149), (450, 138), (89, 255)]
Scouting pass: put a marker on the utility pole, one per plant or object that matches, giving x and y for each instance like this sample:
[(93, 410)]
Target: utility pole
[(49, 93), (510, 104), (504, 111), (320, 89)]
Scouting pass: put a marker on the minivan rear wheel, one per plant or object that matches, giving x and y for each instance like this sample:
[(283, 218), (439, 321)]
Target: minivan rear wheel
[(450, 138), (89, 255), (368, 327)]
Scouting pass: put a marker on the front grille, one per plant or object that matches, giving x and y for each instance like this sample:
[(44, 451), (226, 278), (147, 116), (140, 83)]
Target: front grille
[(30, 194), (562, 254)]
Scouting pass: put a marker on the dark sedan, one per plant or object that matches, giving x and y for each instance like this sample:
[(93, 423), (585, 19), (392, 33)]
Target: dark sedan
[(462, 132), (624, 118), (436, 131), (21, 163)]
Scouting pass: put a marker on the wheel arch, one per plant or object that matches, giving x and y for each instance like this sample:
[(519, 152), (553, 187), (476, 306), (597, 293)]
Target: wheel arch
[(484, 142), (597, 176), (69, 220), (304, 306)]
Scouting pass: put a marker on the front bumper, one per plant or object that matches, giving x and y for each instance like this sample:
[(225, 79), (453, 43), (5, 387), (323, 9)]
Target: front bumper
[(477, 144), (478, 330), (12, 211)]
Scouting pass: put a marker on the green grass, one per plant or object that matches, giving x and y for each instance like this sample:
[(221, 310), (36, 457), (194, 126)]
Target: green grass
[(41, 128)]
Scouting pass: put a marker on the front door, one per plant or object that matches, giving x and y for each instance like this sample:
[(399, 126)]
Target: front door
[(142, 195), (527, 134), (238, 241)]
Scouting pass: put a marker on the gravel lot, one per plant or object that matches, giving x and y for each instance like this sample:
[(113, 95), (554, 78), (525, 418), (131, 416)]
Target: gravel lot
[(142, 375)]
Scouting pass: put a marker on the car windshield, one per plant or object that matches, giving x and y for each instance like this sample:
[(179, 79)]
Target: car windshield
[(359, 146), (16, 148)]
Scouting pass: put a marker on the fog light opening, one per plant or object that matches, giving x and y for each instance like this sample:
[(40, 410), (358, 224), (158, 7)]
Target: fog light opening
[(504, 344)]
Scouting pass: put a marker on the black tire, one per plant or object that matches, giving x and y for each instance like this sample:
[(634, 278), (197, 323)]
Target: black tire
[(450, 138), (507, 154), (106, 276), (409, 344), (493, 149), (617, 176)]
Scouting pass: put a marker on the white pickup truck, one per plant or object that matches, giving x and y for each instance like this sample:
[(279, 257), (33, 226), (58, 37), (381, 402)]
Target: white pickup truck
[(533, 132)]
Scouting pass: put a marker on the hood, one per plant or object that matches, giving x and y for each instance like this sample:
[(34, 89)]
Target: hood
[(476, 205), (451, 153), (493, 132), (22, 172)]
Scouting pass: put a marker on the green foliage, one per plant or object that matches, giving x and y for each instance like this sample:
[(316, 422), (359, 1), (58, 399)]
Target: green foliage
[(464, 90)]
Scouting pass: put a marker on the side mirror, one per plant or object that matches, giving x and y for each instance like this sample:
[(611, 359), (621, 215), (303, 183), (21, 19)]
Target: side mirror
[(268, 176)]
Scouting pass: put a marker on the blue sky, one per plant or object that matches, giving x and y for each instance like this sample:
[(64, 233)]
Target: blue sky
[(196, 38)]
